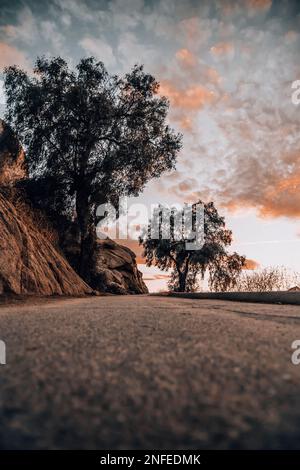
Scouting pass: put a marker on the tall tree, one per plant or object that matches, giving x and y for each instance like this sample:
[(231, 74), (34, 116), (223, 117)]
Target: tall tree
[(95, 136), (186, 264)]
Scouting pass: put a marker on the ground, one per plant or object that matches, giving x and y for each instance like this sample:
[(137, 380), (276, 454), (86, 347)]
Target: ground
[(129, 372)]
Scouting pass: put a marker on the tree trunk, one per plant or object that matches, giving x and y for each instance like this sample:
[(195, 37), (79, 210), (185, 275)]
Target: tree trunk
[(182, 275), (86, 235), (182, 281)]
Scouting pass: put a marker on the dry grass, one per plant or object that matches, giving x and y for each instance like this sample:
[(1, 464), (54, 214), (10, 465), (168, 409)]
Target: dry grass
[(31, 216), (275, 278)]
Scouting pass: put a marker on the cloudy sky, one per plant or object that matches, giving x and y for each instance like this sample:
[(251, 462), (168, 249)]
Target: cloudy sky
[(227, 68)]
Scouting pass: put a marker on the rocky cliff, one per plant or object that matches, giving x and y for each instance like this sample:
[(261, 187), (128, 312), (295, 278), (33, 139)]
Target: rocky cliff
[(29, 263)]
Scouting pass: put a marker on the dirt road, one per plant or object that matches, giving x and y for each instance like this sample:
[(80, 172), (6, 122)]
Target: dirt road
[(149, 372)]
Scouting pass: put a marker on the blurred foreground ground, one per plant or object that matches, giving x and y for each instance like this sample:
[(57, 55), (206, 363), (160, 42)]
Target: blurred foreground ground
[(149, 372)]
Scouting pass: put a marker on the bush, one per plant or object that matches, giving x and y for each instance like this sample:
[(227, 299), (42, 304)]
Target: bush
[(277, 278)]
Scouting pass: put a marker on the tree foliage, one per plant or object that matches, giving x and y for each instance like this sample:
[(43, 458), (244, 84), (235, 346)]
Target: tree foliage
[(92, 135), (185, 264)]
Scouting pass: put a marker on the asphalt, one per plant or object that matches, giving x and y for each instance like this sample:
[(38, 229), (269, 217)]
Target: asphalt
[(142, 372)]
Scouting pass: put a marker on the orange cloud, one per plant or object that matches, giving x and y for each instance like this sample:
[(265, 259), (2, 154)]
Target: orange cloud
[(10, 55), (191, 28), (251, 264), (222, 49), (192, 98), (186, 58), (188, 184), (186, 123), (291, 36), (212, 75), (283, 199), (270, 186), (278, 196), (263, 5)]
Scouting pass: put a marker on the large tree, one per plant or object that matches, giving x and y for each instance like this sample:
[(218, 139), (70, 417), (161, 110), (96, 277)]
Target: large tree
[(93, 136), (174, 254)]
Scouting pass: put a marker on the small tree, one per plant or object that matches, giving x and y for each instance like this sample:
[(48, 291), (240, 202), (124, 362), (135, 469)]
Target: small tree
[(185, 264), (95, 136), (225, 271)]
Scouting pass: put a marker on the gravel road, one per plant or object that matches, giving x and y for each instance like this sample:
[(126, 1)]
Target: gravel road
[(149, 372)]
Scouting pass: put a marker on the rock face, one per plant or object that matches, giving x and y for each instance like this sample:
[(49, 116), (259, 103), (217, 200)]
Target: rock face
[(115, 269), (12, 157), (29, 263)]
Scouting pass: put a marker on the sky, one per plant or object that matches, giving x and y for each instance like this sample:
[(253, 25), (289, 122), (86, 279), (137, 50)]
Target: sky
[(227, 68)]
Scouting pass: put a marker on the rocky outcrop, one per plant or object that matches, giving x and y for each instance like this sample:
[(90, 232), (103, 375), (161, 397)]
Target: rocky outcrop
[(12, 157), (29, 263), (115, 269), (30, 260)]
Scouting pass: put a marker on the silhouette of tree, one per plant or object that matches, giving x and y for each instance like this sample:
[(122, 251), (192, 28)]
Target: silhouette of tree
[(186, 264), (95, 136), (225, 271)]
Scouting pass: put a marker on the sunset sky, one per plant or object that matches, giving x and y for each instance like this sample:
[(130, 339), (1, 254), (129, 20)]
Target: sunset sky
[(227, 68)]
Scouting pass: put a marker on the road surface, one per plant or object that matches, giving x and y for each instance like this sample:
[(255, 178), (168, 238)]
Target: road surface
[(149, 372)]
